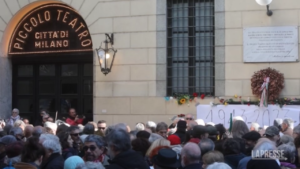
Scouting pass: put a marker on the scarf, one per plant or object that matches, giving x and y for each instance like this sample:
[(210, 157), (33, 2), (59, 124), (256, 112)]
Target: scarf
[(12, 119)]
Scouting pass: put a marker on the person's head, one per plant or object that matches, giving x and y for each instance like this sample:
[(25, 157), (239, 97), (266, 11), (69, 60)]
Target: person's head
[(254, 127), (288, 152), (75, 133), (263, 145), (26, 121), (231, 146), (94, 147), (43, 112), (15, 112), (50, 119), (157, 143), (73, 162), (13, 152), (162, 129), (140, 126), (286, 139), (51, 144), (153, 137), (287, 123), (72, 112), (101, 125), (33, 151), (190, 154), (45, 118), (251, 139), (143, 134), (28, 131), (50, 127), (38, 130), (5, 141), (239, 128), (221, 130), (200, 132), (191, 124), (166, 159), (7, 128), (140, 145), (151, 125), (118, 141), (19, 123), (206, 145), (121, 126), (212, 157), (65, 140), (236, 118), (94, 124), (217, 165), (88, 129), (17, 132), (212, 132), (277, 123), (272, 133), (62, 128), (189, 117)]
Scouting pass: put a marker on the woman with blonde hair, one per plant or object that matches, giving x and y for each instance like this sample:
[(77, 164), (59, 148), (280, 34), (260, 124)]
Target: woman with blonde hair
[(212, 157), (157, 143)]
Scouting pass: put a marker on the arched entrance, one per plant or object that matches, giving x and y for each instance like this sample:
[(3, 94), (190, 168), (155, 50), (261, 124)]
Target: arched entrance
[(50, 47)]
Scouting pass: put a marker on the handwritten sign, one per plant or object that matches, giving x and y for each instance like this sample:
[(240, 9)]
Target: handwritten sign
[(263, 116), (271, 44)]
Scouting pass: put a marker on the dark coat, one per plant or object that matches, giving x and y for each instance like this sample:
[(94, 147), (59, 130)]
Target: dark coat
[(193, 166), (69, 152), (128, 160), (263, 164), (233, 160), (55, 161)]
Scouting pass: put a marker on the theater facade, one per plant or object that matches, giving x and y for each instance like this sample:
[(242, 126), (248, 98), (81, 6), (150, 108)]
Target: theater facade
[(48, 56)]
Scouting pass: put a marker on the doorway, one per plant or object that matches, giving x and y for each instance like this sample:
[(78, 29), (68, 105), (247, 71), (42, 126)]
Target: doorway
[(53, 87)]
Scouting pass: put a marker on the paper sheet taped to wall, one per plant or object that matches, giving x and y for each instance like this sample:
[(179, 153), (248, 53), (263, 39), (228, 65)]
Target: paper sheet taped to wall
[(262, 116)]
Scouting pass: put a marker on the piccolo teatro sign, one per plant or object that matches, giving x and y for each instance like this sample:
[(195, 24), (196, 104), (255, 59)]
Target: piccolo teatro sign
[(51, 28)]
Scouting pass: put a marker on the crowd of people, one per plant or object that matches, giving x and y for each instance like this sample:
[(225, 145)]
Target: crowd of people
[(187, 143)]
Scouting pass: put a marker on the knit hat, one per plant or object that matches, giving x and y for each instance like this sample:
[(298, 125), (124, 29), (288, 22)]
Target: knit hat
[(252, 136), (8, 140), (174, 140), (14, 149), (181, 124), (271, 131), (72, 162)]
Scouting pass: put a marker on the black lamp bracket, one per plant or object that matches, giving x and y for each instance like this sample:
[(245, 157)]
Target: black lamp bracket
[(110, 38), (269, 12)]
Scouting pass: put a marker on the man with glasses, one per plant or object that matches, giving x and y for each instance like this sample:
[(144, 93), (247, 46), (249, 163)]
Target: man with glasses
[(14, 117), (94, 149), (75, 135), (102, 125), (189, 117)]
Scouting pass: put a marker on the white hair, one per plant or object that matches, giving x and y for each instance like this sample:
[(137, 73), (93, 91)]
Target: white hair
[(217, 165), (44, 137), (151, 124), (289, 122), (139, 127), (263, 144), (90, 165), (16, 110), (19, 123), (286, 139), (235, 118), (210, 123), (255, 126), (200, 122), (51, 143)]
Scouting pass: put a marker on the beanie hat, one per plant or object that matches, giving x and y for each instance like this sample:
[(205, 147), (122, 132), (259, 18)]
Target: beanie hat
[(174, 140), (72, 162), (14, 149), (9, 139), (181, 124), (143, 134)]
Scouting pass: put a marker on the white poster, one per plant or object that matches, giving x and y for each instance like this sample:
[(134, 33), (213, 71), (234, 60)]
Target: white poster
[(271, 44), (262, 116)]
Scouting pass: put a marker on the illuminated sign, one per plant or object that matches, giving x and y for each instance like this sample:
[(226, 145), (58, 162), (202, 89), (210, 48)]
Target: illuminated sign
[(52, 28)]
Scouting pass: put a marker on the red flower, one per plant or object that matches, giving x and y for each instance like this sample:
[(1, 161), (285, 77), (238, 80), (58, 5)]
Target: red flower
[(181, 115), (221, 100), (202, 96), (248, 104), (195, 94), (191, 100)]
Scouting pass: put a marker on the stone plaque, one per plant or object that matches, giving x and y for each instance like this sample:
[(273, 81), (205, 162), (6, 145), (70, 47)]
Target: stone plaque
[(271, 44)]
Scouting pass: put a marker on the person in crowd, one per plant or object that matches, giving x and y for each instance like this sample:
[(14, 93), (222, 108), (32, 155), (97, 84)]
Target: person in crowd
[(287, 127), (38, 130), (88, 129), (5, 141), (7, 128), (101, 126), (153, 137), (94, 124), (94, 148), (251, 139), (53, 160), (154, 152), (296, 135), (254, 127), (277, 123), (191, 124), (132, 135), (28, 131), (181, 130), (143, 134), (74, 162), (286, 139), (73, 118), (121, 126), (210, 124), (199, 132), (50, 119), (157, 143), (174, 122), (190, 156), (39, 120), (20, 123), (17, 132), (212, 157), (2, 124), (66, 143), (140, 126), (239, 128), (272, 133), (175, 143), (236, 118), (13, 153), (171, 131), (14, 117), (75, 135), (166, 158), (45, 118), (140, 145), (26, 121), (212, 132), (200, 122), (32, 154), (151, 126), (206, 145), (162, 129), (62, 128), (232, 152), (263, 145), (90, 165), (217, 165), (287, 159), (220, 137), (50, 127), (189, 117), (119, 150)]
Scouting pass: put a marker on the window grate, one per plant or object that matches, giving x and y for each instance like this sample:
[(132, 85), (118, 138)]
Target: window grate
[(190, 47)]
